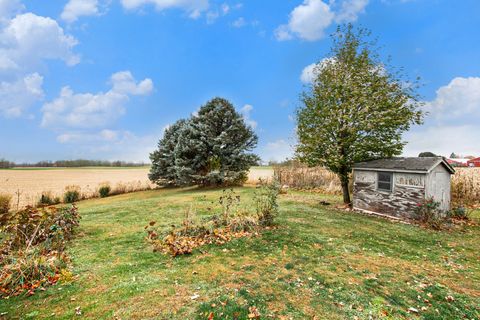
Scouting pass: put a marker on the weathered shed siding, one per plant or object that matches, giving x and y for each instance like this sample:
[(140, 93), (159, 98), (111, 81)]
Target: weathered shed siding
[(408, 191), (438, 186)]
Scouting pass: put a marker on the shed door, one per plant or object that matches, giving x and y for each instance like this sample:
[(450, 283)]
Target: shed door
[(441, 182)]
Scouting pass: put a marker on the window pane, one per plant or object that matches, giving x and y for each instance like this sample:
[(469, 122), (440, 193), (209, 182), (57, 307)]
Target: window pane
[(384, 186), (385, 177)]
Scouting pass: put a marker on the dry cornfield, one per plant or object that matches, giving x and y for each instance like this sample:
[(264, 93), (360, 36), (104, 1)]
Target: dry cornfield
[(27, 186), (302, 177), (466, 187)]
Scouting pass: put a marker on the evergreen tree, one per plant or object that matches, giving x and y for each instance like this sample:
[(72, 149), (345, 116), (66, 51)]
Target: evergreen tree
[(356, 108), (211, 148), (163, 171)]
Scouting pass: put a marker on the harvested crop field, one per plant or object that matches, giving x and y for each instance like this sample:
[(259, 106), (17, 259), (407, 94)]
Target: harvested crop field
[(27, 185)]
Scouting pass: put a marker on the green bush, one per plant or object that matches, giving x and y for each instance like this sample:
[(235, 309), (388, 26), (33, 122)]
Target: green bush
[(429, 213), (47, 199), (5, 201), (72, 194), (104, 190), (459, 213), (265, 198)]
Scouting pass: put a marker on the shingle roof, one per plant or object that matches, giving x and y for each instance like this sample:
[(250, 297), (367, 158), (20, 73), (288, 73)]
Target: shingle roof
[(419, 164)]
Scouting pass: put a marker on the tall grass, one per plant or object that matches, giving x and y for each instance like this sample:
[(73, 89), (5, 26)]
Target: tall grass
[(466, 187), (299, 176)]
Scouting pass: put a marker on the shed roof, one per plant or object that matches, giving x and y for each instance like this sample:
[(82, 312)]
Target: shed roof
[(412, 164)]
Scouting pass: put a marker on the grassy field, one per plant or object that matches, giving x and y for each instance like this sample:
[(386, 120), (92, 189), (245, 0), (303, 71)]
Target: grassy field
[(30, 183), (320, 263)]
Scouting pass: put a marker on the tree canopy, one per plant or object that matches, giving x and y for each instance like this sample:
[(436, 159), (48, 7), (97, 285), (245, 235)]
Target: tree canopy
[(213, 147), (356, 109)]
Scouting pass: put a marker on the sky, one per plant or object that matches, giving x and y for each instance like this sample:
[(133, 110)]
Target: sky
[(102, 79)]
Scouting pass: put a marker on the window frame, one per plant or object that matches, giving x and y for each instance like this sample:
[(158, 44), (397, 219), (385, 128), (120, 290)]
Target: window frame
[(390, 190)]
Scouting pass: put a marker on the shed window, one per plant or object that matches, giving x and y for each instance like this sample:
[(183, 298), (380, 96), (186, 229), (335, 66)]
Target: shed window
[(385, 181)]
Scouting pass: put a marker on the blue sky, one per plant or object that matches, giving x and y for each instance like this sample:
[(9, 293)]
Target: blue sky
[(101, 79)]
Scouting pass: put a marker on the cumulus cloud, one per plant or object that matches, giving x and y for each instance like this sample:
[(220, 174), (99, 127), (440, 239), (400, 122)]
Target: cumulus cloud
[(9, 9), (193, 7), (19, 95), (452, 124), (245, 111), (26, 41), (309, 20), (88, 110), (78, 8), (459, 98)]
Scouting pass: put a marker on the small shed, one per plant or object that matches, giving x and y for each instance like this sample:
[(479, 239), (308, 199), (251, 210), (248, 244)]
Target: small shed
[(395, 186)]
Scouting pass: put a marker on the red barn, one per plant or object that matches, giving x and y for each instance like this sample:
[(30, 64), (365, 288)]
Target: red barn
[(474, 162)]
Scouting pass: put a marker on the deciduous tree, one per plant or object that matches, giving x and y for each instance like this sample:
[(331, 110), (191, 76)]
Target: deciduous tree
[(356, 109)]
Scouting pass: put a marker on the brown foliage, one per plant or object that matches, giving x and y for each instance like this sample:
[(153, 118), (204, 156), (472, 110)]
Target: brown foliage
[(32, 247)]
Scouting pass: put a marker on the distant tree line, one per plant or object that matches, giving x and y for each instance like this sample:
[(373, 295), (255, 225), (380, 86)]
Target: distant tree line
[(5, 164)]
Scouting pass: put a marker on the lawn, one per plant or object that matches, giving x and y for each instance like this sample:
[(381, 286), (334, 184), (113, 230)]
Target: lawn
[(320, 263)]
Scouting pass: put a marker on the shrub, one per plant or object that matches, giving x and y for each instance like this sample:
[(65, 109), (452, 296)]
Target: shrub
[(47, 199), (72, 194), (104, 190), (429, 213), (5, 202), (32, 248), (458, 213), (266, 202)]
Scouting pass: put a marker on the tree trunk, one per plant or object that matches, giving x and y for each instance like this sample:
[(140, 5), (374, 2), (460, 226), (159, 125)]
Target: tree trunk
[(346, 192)]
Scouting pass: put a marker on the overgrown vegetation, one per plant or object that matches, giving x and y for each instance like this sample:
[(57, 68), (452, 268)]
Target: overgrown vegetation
[(32, 248), (430, 215), (301, 177), (48, 199), (230, 222), (466, 187), (5, 203), (72, 194)]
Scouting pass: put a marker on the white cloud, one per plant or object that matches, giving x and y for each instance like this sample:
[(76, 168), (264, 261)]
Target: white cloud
[(78, 8), (309, 20), (245, 111), (459, 98), (278, 150), (309, 72), (443, 140), (9, 8), (28, 39), (18, 96), (87, 110), (452, 125), (350, 10), (193, 7)]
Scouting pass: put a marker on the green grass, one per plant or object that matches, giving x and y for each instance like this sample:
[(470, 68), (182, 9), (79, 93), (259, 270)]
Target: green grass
[(320, 262)]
